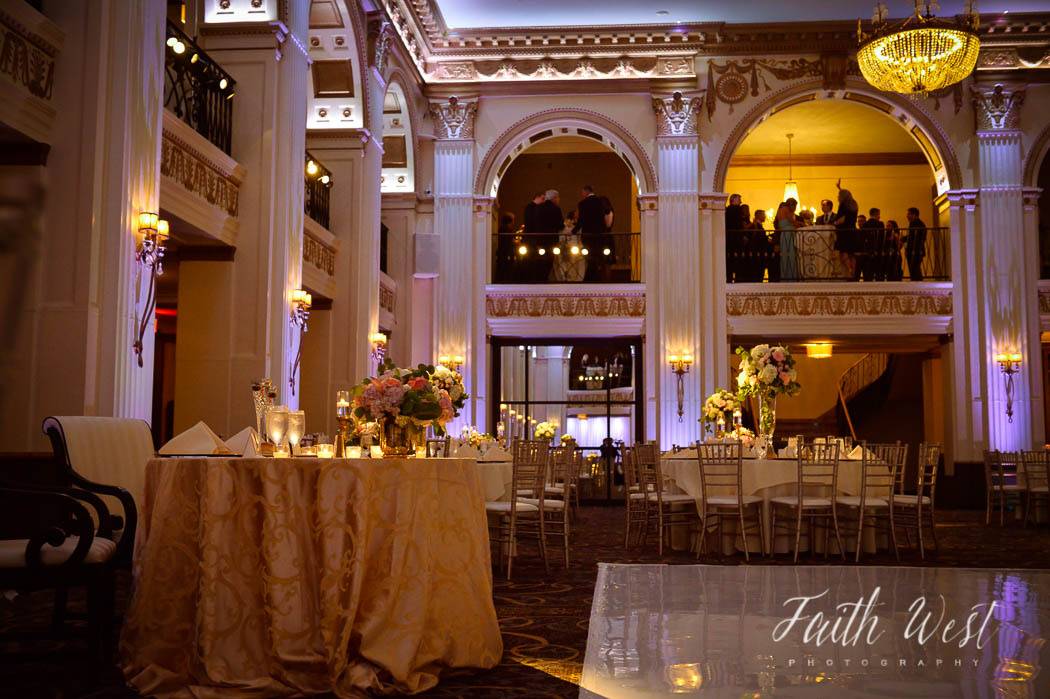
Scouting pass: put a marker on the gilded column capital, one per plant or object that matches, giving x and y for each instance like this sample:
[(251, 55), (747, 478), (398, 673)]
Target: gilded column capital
[(454, 119), (997, 107), (676, 115)]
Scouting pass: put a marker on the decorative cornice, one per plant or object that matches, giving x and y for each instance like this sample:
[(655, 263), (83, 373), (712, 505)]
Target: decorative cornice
[(781, 300), (677, 115), (454, 119), (997, 107), (26, 58), (318, 254), (549, 67)]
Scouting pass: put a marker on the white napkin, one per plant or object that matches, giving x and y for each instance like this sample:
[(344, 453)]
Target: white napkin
[(197, 440), (245, 443), (466, 451), (497, 453), (858, 453)]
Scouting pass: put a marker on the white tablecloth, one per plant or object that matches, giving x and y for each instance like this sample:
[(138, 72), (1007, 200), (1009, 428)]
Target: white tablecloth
[(496, 477)]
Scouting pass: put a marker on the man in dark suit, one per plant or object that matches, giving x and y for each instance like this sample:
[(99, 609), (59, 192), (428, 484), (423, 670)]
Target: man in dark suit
[(915, 244), (549, 222), (532, 213), (873, 231), (590, 224)]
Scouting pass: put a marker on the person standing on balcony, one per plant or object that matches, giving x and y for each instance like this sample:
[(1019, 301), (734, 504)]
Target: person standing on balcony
[(894, 270), (759, 249), (915, 245), (846, 230), (827, 213), (736, 247), (532, 213), (872, 237), (590, 224), (785, 226), (549, 222)]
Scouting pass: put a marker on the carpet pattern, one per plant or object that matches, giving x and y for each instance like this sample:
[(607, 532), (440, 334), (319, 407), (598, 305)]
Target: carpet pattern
[(543, 617)]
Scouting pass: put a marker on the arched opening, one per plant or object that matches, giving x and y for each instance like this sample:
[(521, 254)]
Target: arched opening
[(804, 149), (1042, 180), (399, 172), (588, 232)]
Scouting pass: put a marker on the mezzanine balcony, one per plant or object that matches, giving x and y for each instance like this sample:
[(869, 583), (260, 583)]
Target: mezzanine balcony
[(197, 90), (552, 258)]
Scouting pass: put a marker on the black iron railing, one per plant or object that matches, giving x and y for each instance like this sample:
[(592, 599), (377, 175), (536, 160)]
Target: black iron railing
[(823, 254), (559, 258), (197, 90), (316, 199)]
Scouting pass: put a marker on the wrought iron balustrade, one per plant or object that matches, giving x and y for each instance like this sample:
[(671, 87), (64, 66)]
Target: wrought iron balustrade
[(812, 255), (317, 196), (197, 90), (557, 258)]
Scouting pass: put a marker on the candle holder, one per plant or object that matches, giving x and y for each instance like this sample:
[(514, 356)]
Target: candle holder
[(343, 416)]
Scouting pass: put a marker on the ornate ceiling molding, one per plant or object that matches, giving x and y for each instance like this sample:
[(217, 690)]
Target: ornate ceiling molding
[(997, 107), (454, 119), (677, 115)]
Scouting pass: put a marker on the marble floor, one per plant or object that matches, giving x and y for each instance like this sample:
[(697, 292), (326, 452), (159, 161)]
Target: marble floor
[(803, 631)]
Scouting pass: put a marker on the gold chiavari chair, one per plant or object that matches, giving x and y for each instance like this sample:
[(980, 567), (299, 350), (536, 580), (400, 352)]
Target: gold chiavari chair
[(634, 498), (1001, 483), (516, 518), (1036, 465), (721, 468), (879, 466), (440, 448), (818, 469), (555, 506), (664, 509), (914, 510), (564, 485)]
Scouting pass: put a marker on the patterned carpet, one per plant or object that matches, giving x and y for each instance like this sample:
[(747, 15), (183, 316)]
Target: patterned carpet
[(543, 618)]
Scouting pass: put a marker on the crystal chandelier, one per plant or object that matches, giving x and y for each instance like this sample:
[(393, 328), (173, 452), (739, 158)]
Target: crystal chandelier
[(921, 54)]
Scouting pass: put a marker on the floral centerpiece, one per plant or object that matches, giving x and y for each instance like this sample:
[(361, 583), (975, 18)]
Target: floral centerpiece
[(470, 435), (567, 440), (544, 430), (406, 401), (766, 372), (717, 405)]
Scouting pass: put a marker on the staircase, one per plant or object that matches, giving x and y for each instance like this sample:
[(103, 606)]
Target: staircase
[(862, 386)]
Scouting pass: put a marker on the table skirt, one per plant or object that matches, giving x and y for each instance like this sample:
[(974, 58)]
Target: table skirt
[(286, 577)]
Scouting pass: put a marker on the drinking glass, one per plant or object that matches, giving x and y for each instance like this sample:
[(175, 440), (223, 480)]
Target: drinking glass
[(277, 425), (296, 427)]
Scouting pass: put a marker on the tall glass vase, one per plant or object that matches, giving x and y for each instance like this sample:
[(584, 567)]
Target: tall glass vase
[(767, 423)]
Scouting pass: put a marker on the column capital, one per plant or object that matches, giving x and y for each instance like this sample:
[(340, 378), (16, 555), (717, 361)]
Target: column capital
[(454, 119), (676, 114), (648, 203), (713, 200), (997, 108), (380, 36), (483, 206)]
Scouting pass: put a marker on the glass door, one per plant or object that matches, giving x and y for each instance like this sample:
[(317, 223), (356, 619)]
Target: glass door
[(589, 389)]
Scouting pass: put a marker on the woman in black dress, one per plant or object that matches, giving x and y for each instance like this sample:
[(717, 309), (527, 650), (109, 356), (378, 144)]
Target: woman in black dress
[(846, 238)]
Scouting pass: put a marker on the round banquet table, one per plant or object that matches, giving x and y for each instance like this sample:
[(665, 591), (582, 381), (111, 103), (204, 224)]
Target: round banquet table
[(496, 479), (282, 577), (767, 478)]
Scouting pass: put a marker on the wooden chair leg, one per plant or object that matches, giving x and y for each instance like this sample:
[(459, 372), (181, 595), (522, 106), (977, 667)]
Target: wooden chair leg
[(859, 541), (798, 532), (838, 536), (743, 535), (893, 537)]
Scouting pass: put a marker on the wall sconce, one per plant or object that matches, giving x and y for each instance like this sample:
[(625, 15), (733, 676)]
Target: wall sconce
[(454, 362), (819, 350), (680, 364), (301, 301), (1009, 363), (378, 341), (149, 254)]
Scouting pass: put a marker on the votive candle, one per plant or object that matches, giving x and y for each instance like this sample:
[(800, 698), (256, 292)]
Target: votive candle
[(325, 451), (376, 451), (353, 452)]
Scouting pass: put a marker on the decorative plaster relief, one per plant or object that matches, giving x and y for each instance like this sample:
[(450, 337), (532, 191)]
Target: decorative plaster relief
[(196, 174), (676, 115), (454, 119), (559, 305), (997, 108), (839, 304)]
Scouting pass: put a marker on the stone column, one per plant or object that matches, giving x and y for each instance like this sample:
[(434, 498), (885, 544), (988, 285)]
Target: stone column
[(1007, 273), (86, 297), (654, 362), (458, 289), (677, 265), (714, 341), (243, 331)]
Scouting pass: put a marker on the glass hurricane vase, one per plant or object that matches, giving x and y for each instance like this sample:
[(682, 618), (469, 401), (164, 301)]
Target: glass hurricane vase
[(399, 439), (767, 422)]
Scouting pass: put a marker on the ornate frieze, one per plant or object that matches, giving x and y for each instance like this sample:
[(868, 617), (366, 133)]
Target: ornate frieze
[(997, 107), (555, 68), (25, 58), (542, 304), (316, 253), (387, 294), (454, 119), (732, 82), (792, 302), (676, 115), (184, 164)]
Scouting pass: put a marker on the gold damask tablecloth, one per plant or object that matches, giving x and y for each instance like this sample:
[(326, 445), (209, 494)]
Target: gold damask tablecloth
[(282, 577)]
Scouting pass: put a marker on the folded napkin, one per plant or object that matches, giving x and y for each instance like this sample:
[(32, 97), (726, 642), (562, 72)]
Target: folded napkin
[(197, 440), (245, 443), (497, 453), (465, 451), (858, 453)]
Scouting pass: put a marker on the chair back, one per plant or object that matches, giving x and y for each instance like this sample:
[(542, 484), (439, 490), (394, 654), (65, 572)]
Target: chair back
[(929, 461), (880, 465), (561, 461), (439, 448), (1036, 469), (647, 461), (818, 467), (720, 468), (1000, 469), (631, 479), (105, 450), (531, 461)]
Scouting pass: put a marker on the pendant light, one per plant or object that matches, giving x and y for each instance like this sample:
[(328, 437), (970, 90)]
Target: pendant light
[(790, 187)]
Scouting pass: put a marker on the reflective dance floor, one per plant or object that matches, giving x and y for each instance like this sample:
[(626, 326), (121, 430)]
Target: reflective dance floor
[(756, 631)]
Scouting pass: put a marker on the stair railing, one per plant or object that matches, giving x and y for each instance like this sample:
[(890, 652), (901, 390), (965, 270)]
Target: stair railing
[(856, 378)]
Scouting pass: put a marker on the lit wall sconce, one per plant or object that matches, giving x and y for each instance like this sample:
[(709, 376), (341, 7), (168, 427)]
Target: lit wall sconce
[(1009, 363), (818, 350), (454, 361), (378, 342), (301, 302), (149, 254), (680, 364)]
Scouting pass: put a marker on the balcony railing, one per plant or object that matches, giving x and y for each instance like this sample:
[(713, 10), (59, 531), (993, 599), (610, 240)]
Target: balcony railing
[(552, 258), (316, 199), (812, 255), (197, 90)]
